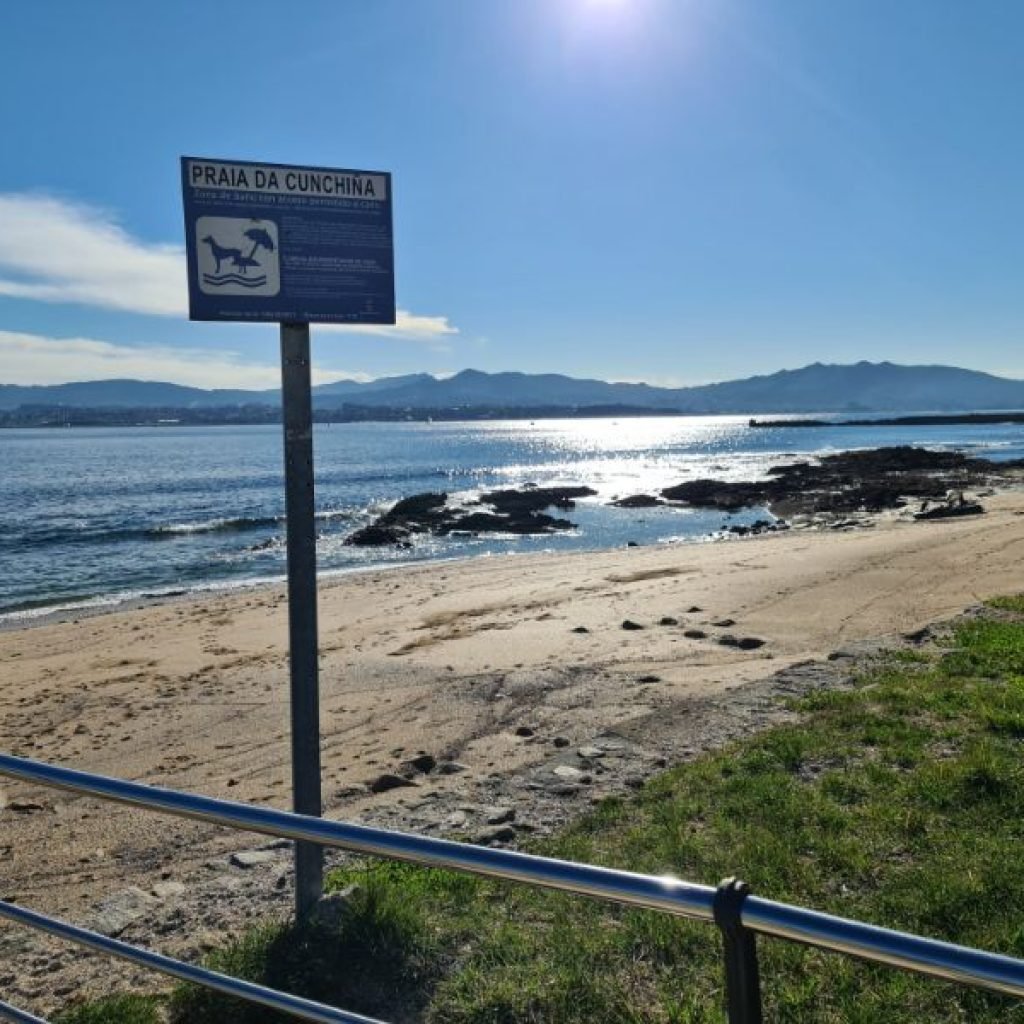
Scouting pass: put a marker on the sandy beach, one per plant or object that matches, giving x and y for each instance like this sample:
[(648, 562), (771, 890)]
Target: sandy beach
[(484, 663)]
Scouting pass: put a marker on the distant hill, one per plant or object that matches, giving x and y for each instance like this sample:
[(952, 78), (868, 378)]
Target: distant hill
[(138, 394), (863, 387)]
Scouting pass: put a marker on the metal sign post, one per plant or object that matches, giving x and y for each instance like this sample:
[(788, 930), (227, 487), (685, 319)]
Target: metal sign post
[(297, 406), (292, 245)]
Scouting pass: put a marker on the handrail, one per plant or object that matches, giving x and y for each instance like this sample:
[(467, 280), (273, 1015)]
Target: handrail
[(12, 1013), (667, 894), (306, 1009), (738, 913), (933, 957)]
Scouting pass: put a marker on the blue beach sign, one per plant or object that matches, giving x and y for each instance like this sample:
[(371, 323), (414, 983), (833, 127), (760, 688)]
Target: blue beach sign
[(288, 244)]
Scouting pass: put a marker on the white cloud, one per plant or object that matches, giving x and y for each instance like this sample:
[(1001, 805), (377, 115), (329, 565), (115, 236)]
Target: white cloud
[(52, 250), (35, 359), (63, 252), (409, 327)]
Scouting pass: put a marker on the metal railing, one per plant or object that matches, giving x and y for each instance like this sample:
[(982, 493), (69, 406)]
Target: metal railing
[(739, 914)]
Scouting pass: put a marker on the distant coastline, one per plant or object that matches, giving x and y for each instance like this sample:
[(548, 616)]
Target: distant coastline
[(257, 415), (929, 420)]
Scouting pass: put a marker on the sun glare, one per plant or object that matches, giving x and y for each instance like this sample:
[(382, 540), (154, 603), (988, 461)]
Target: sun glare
[(595, 8), (620, 22)]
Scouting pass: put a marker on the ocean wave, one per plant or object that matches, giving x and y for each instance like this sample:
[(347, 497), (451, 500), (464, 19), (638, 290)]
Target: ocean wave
[(72, 604), (84, 533), (345, 514), (223, 525)]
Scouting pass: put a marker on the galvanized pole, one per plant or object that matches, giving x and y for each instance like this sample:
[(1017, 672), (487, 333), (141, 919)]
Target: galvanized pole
[(297, 405)]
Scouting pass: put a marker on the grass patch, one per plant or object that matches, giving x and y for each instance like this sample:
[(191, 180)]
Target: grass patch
[(376, 957), (899, 802), (116, 1010), (1012, 603)]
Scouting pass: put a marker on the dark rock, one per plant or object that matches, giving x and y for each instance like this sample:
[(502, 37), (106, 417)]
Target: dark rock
[(632, 544), (649, 679), (846, 482), (667, 620), (694, 634), (534, 499), (693, 609), (950, 510), (490, 522), (638, 501), (450, 768), (378, 534), (26, 806), (750, 643), (728, 640), (919, 636), (753, 529), (561, 741), (524, 730), (630, 624), (418, 506), (415, 514), (388, 781), (724, 623), (421, 764), (704, 493), (580, 629), (501, 834), (516, 512)]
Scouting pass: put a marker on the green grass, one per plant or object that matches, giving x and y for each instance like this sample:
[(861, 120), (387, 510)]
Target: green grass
[(899, 802), (116, 1010), (379, 959)]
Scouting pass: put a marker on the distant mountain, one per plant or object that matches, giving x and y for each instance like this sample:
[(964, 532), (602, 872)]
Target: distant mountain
[(863, 387), (139, 394), (472, 388), (350, 387)]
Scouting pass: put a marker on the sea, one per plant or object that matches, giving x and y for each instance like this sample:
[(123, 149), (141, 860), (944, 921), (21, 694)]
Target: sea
[(93, 518)]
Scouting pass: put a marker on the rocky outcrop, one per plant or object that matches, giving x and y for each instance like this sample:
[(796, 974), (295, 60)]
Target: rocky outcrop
[(515, 511), (416, 514), (833, 487), (870, 481), (531, 499)]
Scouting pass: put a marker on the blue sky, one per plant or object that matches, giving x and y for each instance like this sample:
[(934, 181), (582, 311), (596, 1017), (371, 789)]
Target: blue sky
[(674, 191)]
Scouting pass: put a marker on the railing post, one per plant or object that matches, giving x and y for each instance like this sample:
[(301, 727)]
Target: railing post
[(742, 979)]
